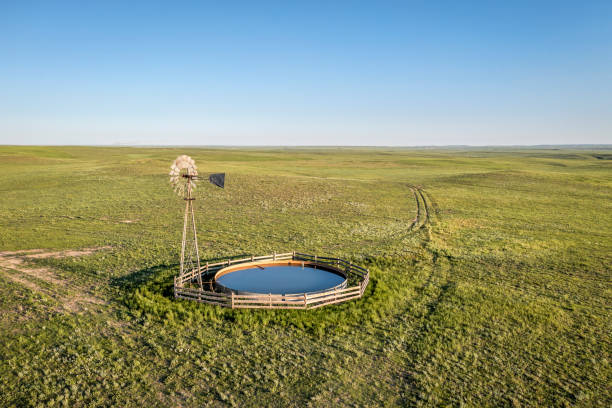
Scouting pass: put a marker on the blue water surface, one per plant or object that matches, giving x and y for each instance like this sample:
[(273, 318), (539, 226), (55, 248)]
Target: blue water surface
[(280, 280)]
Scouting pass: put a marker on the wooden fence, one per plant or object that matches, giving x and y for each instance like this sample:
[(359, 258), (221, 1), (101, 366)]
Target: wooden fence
[(275, 301)]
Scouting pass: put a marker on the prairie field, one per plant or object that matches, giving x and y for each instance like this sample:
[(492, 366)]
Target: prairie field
[(491, 282)]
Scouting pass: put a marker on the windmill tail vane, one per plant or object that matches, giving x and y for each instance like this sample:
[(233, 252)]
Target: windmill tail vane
[(183, 177), (218, 179)]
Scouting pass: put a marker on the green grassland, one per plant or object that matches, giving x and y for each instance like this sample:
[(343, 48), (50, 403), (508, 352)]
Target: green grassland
[(500, 294)]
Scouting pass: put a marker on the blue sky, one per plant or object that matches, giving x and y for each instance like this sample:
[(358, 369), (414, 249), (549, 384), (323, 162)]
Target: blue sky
[(306, 73)]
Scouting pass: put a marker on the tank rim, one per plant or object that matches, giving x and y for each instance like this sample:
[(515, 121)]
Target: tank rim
[(248, 265)]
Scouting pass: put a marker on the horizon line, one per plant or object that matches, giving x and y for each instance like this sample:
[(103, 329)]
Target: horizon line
[(566, 145)]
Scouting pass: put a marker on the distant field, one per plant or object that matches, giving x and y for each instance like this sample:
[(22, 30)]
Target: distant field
[(496, 289)]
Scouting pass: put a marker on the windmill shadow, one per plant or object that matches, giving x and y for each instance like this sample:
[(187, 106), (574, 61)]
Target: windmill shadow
[(160, 277), (142, 277)]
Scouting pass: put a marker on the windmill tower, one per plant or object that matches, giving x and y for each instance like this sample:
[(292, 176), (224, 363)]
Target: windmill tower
[(183, 177)]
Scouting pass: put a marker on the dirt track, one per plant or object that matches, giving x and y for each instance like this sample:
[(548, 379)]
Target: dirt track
[(70, 296)]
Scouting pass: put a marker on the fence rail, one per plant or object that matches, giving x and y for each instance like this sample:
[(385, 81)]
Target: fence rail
[(275, 301)]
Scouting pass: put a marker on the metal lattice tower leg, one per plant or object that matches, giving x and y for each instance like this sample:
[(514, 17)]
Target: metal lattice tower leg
[(190, 254)]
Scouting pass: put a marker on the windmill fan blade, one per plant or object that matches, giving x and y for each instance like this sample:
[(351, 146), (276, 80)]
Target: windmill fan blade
[(218, 179), (183, 175)]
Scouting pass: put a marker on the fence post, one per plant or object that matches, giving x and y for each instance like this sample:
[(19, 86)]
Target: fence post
[(270, 297), (293, 256), (274, 256), (252, 258), (305, 300), (232, 300)]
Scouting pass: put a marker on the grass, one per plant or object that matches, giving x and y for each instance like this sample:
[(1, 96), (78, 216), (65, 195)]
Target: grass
[(499, 295)]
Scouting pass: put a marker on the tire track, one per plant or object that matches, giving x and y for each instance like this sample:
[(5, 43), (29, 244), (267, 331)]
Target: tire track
[(425, 206), (411, 327), (423, 215)]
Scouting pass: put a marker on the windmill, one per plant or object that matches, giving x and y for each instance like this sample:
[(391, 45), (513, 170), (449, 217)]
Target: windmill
[(183, 177)]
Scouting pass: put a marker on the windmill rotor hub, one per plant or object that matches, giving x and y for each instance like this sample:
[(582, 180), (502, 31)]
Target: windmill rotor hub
[(183, 175)]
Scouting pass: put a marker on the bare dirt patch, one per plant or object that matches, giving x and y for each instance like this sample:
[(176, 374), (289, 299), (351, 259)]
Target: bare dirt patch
[(25, 251), (71, 296), (63, 254), (25, 282)]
